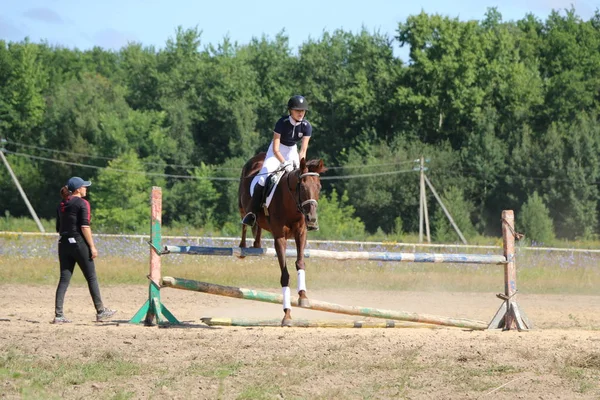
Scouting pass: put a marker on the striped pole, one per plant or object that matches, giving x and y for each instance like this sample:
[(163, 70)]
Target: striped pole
[(256, 295), (305, 323), (343, 255)]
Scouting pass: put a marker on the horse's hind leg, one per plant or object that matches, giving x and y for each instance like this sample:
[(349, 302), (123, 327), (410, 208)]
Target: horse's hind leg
[(243, 241)]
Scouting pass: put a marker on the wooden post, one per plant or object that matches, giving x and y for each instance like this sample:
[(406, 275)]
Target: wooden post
[(509, 316), (22, 192), (153, 308), (155, 234)]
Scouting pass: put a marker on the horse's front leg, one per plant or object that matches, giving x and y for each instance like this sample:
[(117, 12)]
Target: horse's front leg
[(300, 238), (243, 241), (257, 230), (280, 246)]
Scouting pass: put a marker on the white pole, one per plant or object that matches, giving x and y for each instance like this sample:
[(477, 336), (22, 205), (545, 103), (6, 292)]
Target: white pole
[(14, 177)]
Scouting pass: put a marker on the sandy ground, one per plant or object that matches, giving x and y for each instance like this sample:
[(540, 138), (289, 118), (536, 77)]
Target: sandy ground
[(559, 359)]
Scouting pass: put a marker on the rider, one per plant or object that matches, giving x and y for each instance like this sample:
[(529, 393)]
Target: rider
[(282, 153)]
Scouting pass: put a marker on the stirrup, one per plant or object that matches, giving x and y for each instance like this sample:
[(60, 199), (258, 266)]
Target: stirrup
[(249, 219)]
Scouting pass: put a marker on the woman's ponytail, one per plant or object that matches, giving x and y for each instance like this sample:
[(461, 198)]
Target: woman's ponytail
[(64, 192)]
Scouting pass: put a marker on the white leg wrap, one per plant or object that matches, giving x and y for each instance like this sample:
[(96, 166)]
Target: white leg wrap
[(287, 298), (301, 280)]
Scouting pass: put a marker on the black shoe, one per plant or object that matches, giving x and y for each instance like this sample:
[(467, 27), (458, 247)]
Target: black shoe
[(249, 219)]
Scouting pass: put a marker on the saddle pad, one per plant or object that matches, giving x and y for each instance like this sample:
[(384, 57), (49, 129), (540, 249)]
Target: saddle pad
[(270, 186)]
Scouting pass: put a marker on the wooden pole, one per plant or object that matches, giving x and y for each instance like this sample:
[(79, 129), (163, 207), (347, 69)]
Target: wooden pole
[(249, 294), (304, 323), (510, 268), (445, 211), (22, 192), (509, 316), (155, 234), (424, 194), (421, 196), (153, 309)]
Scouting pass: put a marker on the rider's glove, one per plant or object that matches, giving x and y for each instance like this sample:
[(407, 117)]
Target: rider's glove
[(287, 165)]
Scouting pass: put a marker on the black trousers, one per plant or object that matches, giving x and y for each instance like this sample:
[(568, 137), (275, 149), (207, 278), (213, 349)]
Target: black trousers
[(71, 251)]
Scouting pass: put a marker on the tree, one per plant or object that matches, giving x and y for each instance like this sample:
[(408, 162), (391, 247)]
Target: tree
[(192, 201), (336, 218), (120, 195), (535, 221), (24, 79), (460, 210)]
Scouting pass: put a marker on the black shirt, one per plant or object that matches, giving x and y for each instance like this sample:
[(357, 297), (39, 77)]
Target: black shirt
[(290, 134), (71, 215)]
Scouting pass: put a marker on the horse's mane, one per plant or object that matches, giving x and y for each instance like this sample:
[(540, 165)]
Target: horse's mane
[(316, 165)]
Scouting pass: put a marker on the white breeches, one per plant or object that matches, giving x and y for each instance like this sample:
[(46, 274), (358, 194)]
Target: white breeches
[(289, 153)]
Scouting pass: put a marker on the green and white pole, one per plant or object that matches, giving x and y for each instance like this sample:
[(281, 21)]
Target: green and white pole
[(153, 309)]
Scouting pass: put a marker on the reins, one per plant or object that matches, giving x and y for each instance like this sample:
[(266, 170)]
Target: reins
[(299, 203)]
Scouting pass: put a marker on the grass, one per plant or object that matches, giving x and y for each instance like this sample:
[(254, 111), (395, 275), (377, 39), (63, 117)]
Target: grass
[(33, 260), (264, 273), (34, 377)]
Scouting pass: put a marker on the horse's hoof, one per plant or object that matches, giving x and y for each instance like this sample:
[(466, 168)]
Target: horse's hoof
[(303, 302), (286, 322)]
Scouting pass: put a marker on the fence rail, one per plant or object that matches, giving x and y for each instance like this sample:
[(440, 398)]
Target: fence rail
[(203, 239)]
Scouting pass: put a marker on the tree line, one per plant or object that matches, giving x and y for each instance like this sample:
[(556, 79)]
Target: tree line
[(506, 112)]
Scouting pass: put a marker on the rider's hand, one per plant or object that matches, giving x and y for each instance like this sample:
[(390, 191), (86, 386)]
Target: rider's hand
[(287, 165)]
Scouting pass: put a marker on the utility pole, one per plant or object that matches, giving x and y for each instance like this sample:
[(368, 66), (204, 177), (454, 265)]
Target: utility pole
[(18, 185), (423, 213), (445, 211)]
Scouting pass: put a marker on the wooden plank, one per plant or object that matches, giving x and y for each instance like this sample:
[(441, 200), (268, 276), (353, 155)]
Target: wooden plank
[(268, 297)]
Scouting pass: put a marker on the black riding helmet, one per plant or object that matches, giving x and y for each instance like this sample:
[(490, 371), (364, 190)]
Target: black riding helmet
[(298, 103)]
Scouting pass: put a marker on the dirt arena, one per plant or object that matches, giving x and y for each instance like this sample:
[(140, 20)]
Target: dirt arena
[(560, 359)]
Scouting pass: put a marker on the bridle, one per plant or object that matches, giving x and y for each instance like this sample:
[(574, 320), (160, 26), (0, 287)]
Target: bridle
[(299, 203)]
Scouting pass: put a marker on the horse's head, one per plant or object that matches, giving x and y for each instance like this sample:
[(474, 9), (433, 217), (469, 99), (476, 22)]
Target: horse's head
[(309, 187)]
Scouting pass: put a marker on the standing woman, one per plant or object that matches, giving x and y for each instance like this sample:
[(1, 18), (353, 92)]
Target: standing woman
[(283, 152), (76, 245)]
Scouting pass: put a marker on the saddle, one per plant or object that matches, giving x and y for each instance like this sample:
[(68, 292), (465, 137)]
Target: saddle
[(270, 186)]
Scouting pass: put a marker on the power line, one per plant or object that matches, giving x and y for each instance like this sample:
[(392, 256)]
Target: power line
[(325, 178), (212, 178), (478, 174), (231, 179), (108, 158), (185, 166), (371, 165)]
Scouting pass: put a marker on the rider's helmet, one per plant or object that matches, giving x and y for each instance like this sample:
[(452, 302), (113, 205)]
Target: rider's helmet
[(297, 103)]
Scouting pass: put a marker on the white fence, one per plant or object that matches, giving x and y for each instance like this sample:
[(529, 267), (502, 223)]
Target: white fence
[(222, 239)]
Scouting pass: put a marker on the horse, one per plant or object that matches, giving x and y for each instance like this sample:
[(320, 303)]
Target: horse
[(291, 213)]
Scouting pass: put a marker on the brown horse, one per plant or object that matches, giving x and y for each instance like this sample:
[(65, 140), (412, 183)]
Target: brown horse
[(292, 211)]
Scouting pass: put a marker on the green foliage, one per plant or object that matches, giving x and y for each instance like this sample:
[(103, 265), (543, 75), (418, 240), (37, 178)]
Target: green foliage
[(192, 201), (535, 222), (337, 220), (120, 196), (501, 109)]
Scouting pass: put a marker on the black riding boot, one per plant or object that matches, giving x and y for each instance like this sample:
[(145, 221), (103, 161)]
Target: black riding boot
[(250, 218)]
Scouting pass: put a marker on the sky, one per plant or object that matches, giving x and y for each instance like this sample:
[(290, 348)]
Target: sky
[(111, 24)]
